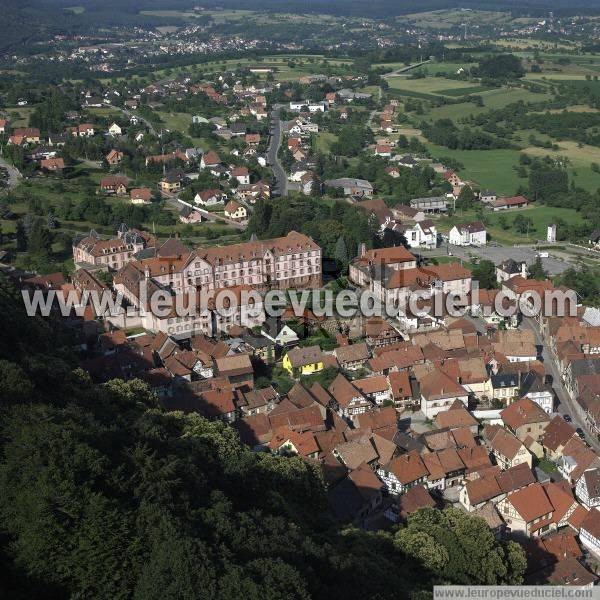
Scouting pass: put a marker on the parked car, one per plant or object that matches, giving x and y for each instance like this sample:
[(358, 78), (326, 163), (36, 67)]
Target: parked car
[(567, 418)]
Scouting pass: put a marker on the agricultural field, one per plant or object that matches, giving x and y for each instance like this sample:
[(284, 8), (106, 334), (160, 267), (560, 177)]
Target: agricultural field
[(449, 18), (430, 85)]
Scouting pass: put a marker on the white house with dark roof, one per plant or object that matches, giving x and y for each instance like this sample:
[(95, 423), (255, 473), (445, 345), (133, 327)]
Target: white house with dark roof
[(468, 234)]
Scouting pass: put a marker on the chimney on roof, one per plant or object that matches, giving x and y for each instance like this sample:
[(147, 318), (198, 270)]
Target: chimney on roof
[(524, 272), (146, 271)]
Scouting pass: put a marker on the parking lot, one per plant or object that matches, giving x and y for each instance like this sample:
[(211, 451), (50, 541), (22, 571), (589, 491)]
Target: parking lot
[(553, 264)]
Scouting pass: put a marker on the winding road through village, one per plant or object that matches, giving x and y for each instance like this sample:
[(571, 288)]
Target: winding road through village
[(280, 187)]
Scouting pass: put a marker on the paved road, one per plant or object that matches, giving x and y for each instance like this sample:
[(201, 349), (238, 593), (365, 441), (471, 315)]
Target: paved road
[(130, 114), (372, 113), (404, 69), (281, 182), (14, 175), (174, 201), (565, 405)]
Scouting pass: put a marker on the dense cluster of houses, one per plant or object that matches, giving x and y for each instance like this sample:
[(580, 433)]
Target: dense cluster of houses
[(398, 413)]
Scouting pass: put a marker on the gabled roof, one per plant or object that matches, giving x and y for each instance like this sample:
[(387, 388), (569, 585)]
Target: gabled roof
[(557, 433), (301, 356), (343, 391), (408, 468), (456, 416), (531, 502), (591, 523), (436, 385), (523, 412)]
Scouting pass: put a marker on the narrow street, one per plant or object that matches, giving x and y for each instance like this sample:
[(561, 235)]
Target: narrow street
[(280, 187), (14, 175), (565, 404), (130, 114)]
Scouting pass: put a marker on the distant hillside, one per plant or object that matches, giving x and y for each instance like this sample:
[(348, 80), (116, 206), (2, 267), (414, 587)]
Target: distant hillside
[(377, 9), (28, 20)]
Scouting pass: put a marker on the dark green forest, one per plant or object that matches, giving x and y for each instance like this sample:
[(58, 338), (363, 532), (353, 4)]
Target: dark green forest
[(104, 495)]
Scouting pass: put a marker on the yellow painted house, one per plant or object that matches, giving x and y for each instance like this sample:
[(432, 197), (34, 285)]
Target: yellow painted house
[(303, 361)]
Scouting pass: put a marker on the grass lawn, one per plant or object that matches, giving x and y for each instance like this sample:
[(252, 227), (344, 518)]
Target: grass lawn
[(547, 465), (105, 112), (324, 140), (542, 216), (492, 169), (19, 116)]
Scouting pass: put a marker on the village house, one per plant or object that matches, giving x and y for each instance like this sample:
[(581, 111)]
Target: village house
[(210, 197), (536, 388), (351, 187), (403, 473), (52, 165), (436, 204), (555, 437), (528, 511), (235, 211), (352, 356), (140, 196), (525, 419), (468, 234), (349, 399), (507, 450), (189, 215), (589, 533), (422, 234), (82, 130), (114, 157), (510, 268), (488, 196), (165, 159), (587, 488), (210, 160), (114, 130), (375, 388), (171, 182), (439, 392), (509, 203), (114, 184), (303, 361), (241, 174)]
